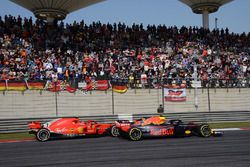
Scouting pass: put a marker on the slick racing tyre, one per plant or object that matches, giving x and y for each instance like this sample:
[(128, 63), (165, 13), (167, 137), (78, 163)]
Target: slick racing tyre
[(135, 134), (114, 131), (43, 135), (204, 130)]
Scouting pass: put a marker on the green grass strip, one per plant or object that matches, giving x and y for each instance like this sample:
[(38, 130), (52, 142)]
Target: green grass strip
[(15, 136), (230, 125)]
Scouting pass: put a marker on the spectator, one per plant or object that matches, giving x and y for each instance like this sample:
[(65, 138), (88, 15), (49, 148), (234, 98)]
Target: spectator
[(160, 109), (76, 52)]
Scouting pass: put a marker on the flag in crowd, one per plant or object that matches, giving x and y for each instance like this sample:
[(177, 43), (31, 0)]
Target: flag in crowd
[(119, 85), (120, 88), (57, 86)]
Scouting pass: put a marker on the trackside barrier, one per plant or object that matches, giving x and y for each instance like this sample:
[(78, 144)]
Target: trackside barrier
[(20, 125)]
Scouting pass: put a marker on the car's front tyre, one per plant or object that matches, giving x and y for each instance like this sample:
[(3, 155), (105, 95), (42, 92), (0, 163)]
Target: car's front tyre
[(43, 135), (114, 131), (204, 130)]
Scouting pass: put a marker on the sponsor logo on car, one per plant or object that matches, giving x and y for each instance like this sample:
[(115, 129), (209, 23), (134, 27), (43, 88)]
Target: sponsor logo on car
[(162, 132)]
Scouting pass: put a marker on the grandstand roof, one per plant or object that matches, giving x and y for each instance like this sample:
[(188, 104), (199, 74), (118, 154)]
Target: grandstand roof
[(54, 9), (205, 7), (199, 6)]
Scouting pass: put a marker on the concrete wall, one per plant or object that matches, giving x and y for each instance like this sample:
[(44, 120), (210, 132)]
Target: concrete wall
[(43, 104)]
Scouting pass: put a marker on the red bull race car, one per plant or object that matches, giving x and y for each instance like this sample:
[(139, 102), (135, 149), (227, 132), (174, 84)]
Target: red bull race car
[(69, 127), (158, 126)]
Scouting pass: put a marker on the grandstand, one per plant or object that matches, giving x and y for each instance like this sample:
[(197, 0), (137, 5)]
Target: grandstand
[(77, 53), (89, 56)]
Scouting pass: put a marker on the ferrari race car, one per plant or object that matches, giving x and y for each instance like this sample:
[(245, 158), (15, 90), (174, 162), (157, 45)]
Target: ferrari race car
[(69, 127), (158, 126)]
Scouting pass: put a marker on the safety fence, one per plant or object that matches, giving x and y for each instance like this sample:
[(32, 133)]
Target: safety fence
[(21, 125), (32, 104)]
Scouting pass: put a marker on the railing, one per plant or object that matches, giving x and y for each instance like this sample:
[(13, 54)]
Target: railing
[(18, 108), (32, 104), (21, 125)]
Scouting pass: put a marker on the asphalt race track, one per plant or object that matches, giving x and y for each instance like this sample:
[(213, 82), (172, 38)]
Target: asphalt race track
[(231, 150)]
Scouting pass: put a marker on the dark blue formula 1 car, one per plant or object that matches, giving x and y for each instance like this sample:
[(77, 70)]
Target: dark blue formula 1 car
[(157, 126)]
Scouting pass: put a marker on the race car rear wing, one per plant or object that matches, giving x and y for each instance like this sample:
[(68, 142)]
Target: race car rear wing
[(35, 125)]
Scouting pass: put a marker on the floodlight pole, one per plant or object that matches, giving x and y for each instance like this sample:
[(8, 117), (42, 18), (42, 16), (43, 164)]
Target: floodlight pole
[(163, 95), (195, 87), (55, 84), (113, 103), (216, 20)]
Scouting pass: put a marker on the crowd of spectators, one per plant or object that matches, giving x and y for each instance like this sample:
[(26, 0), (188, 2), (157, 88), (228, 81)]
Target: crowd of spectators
[(79, 52)]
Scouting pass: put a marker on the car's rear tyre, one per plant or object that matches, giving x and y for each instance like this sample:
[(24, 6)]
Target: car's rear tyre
[(114, 131), (43, 135), (204, 130), (135, 134)]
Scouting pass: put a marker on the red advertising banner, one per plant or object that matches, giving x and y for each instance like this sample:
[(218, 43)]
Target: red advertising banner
[(101, 85), (175, 93), (70, 89), (96, 85), (55, 86)]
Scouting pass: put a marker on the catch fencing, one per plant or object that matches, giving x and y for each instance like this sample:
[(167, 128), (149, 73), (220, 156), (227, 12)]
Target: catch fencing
[(33, 104)]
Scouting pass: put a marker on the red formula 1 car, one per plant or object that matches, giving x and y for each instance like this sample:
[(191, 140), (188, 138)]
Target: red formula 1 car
[(158, 126), (69, 127)]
